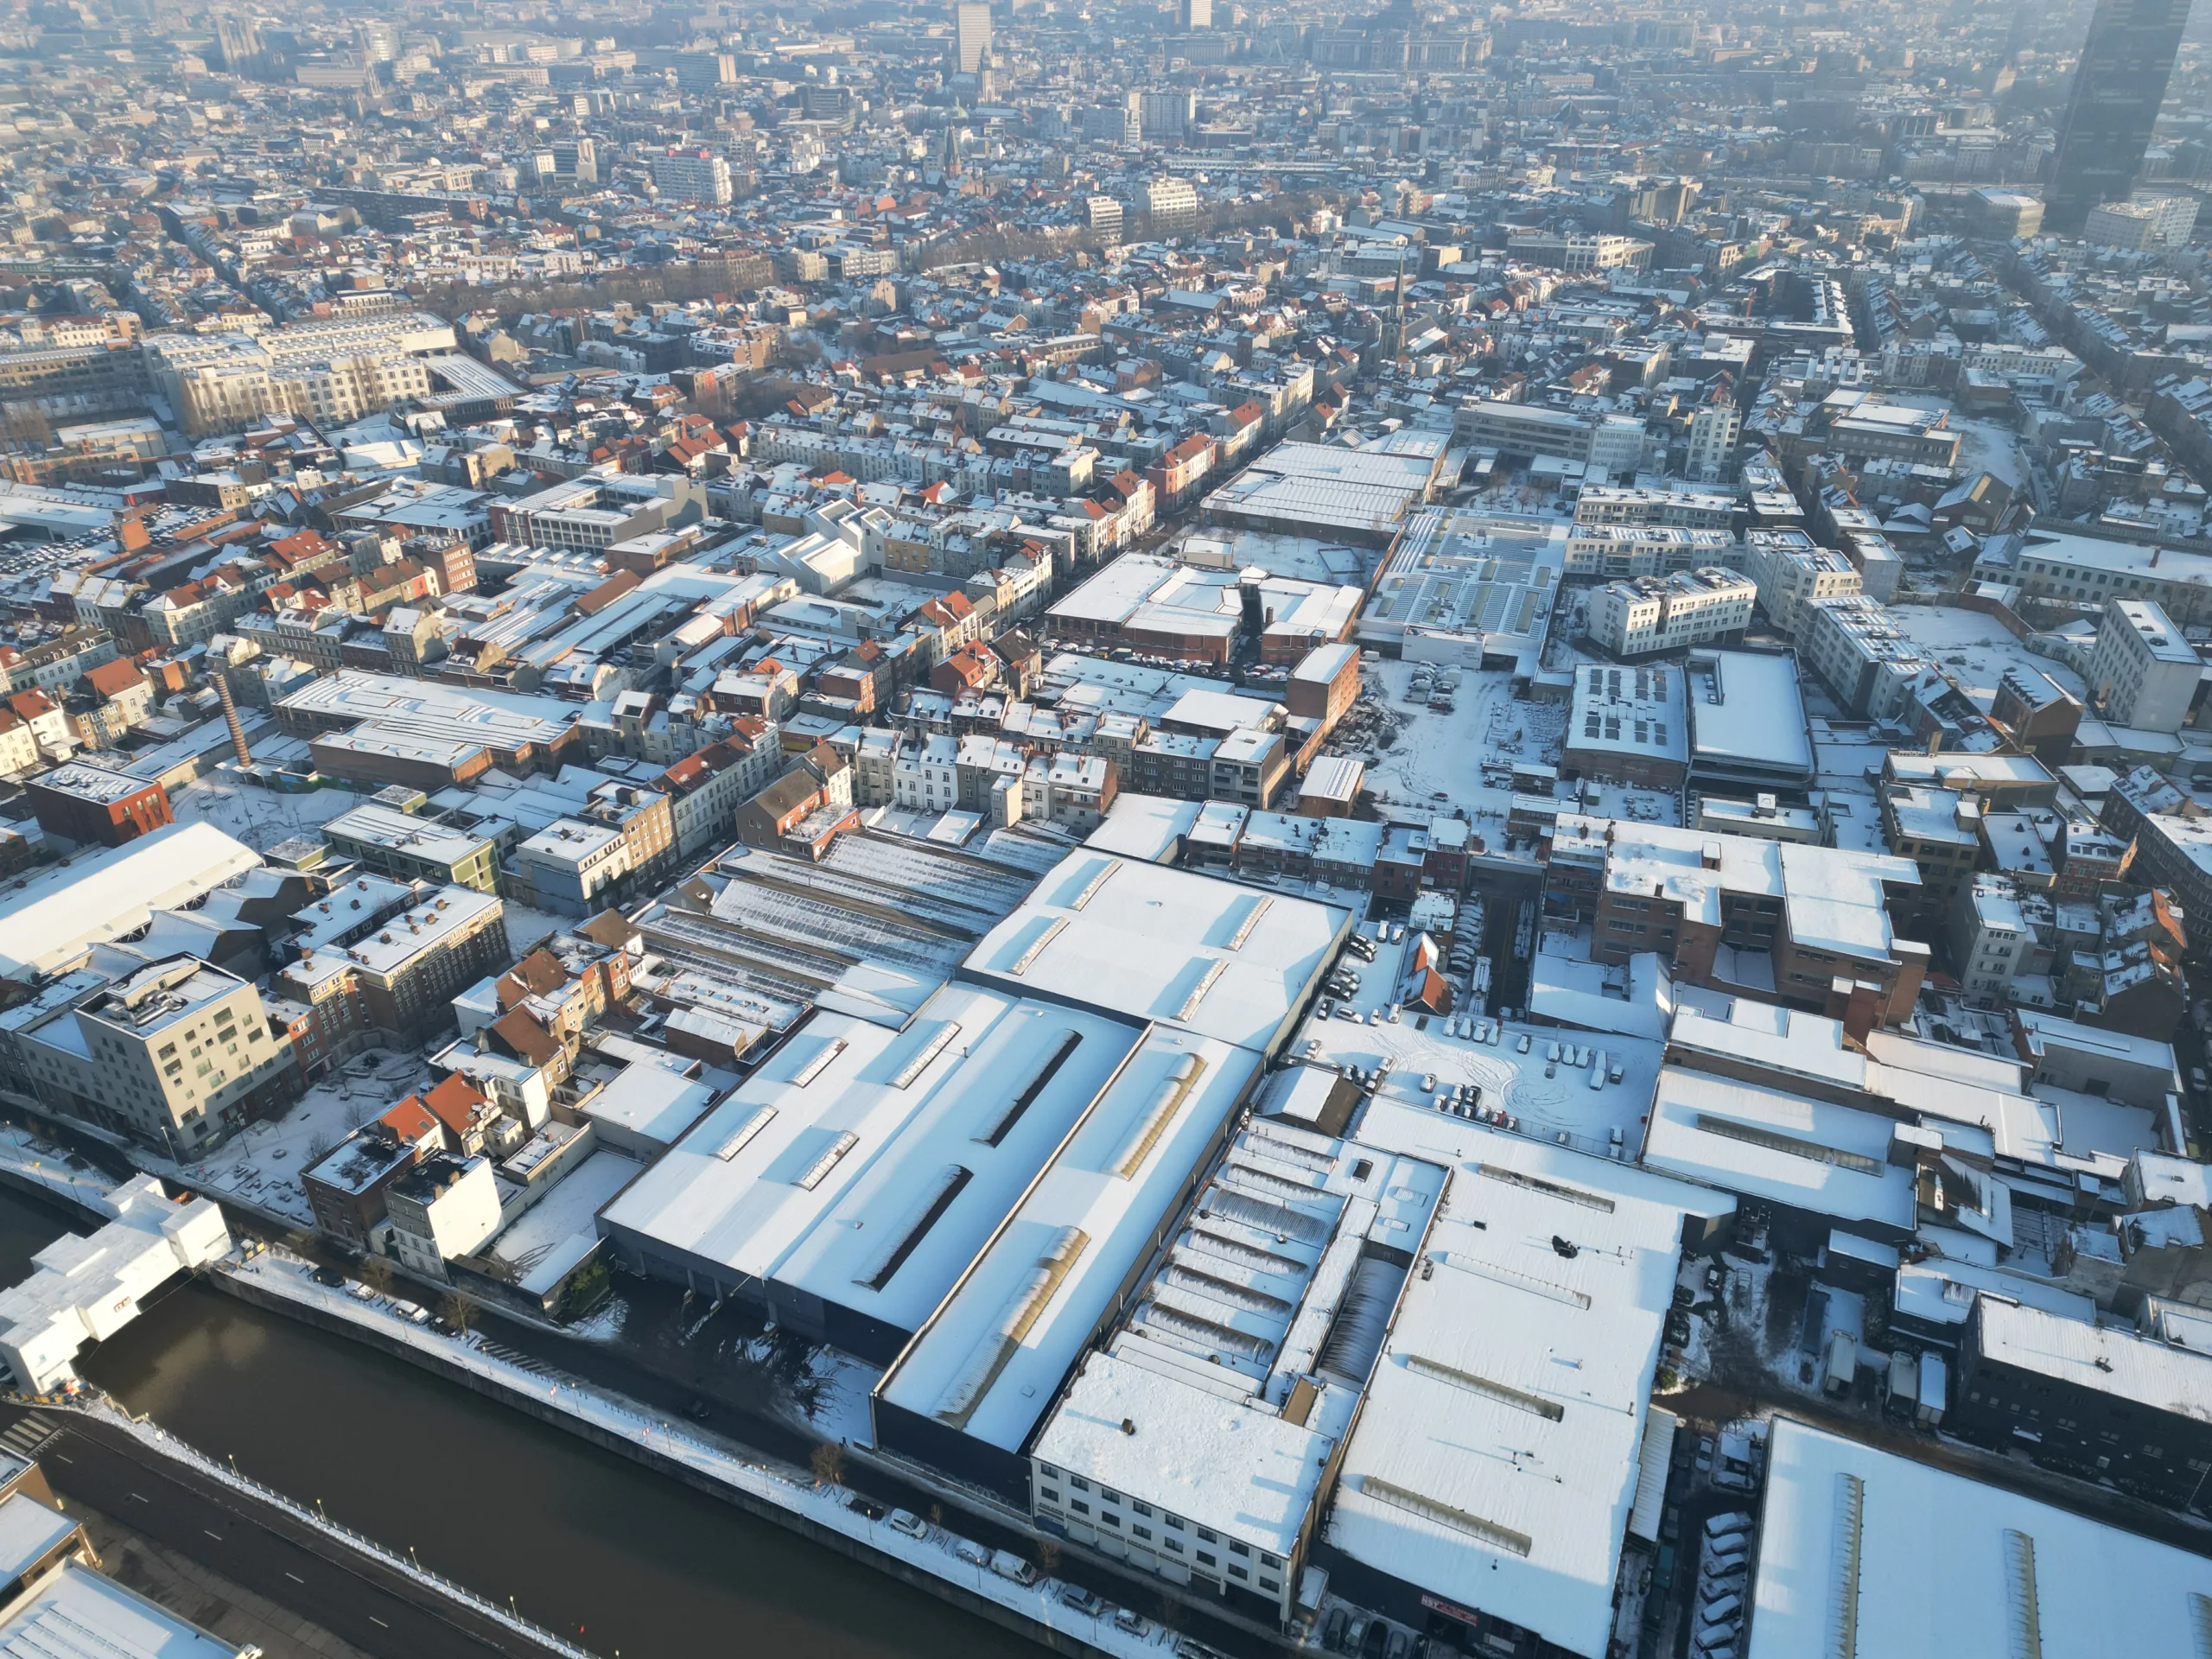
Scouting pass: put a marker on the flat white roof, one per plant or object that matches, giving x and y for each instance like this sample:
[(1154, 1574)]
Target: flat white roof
[(56, 911), (1082, 1230), (2104, 1359), (1745, 710), (1143, 826), (1158, 943), (373, 825), (28, 1530), (1497, 1458), (1628, 710), (1934, 1566), (1224, 1463), (1811, 1154), (75, 1613), (653, 1098)]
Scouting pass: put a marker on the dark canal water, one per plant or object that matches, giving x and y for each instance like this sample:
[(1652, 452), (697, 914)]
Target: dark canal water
[(581, 1540)]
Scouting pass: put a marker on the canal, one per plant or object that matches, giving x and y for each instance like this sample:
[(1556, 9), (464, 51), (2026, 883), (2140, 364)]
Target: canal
[(583, 1541)]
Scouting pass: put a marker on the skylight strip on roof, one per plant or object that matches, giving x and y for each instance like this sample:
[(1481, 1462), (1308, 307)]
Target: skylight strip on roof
[(1517, 1544), (1851, 1505), (928, 1051), (744, 1132), (1022, 1312), (815, 1067), (1251, 920), (1536, 1404), (900, 1243), (1499, 1273), (1550, 1189), (1794, 1146), (1154, 1124), (828, 1161), (1215, 969), (1090, 888), (1020, 964)]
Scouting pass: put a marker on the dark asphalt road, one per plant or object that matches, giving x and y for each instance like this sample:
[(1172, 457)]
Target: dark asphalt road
[(253, 1545)]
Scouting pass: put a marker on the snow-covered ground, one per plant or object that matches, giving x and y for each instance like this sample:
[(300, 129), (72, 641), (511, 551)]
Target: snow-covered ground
[(1989, 447), (939, 1551), (55, 1168), (1437, 761), (526, 926), (1977, 650), (259, 817), (546, 1241), (261, 1166)]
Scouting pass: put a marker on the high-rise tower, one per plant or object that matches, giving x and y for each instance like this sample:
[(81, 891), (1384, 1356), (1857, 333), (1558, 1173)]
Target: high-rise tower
[(2117, 91), (971, 37)]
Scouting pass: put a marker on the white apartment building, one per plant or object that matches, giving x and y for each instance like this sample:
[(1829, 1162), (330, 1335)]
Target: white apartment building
[(1792, 572), (442, 1208), (692, 175), (1854, 644), (927, 779), (1648, 550), (570, 862), (2142, 672), (1713, 432), (1643, 614), (1990, 938), (175, 1054), (1580, 251), (328, 370), (2147, 222), (1614, 504), (1173, 204)]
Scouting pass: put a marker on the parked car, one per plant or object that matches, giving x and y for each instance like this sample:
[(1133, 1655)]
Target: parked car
[(908, 1522)]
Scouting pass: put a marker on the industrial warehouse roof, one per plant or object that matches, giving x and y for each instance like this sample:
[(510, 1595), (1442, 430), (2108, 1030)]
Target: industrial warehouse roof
[(1460, 578), (1811, 1154), (1923, 1563), (1309, 488), (1158, 944), (1496, 1459), (1066, 1255), (50, 914), (1147, 592), (865, 1166), (426, 712)]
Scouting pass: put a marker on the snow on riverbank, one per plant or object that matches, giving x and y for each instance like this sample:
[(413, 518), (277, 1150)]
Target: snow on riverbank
[(793, 1490), (58, 1170)]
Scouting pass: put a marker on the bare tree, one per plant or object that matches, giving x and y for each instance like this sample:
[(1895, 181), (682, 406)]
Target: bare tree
[(458, 1312)]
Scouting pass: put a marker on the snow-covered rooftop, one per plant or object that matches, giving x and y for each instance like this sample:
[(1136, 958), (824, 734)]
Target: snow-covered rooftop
[(1158, 943), (1067, 1252), (1931, 1565)]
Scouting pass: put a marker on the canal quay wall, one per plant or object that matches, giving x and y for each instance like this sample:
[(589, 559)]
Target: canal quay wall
[(274, 1281)]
